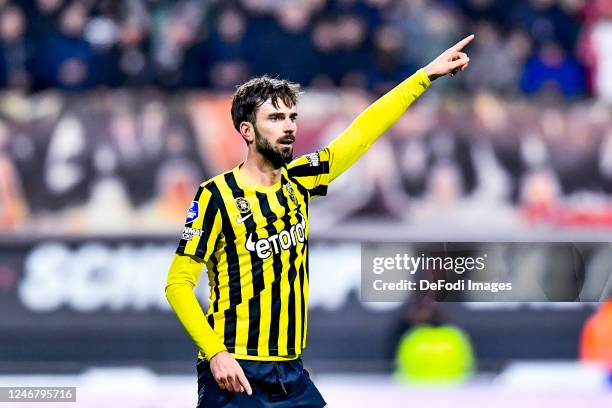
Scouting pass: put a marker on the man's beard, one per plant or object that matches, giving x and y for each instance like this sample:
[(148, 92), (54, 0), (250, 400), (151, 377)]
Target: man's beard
[(277, 157)]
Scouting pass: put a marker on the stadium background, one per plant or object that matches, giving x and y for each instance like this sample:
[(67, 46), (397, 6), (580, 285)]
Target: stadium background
[(111, 113)]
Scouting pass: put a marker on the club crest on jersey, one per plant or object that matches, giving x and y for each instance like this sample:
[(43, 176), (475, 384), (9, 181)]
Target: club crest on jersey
[(313, 159), (289, 190), (193, 213), (243, 205)]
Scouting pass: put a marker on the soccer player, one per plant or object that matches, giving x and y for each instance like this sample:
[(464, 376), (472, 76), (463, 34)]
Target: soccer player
[(249, 226)]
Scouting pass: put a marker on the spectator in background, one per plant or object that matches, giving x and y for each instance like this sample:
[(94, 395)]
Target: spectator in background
[(496, 62), (525, 46), (226, 50), (495, 11), (427, 26), (65, 58), (387, 66), (366, 11), (341, 42), (428, 350), (288, 29), (551, 70), (177, 31), (547, 21), (42, 16), (351, 56), (133, 53), (15, 50), (324, 41), (101, 33)]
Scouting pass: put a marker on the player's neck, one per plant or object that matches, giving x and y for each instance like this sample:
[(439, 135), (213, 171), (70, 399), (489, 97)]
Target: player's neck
[(259, 171)]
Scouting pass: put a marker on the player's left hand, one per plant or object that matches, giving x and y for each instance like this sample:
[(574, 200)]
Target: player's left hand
[(450, 61)]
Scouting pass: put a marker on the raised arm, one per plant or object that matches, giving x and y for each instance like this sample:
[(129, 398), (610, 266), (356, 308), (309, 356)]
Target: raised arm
[(373, 122)]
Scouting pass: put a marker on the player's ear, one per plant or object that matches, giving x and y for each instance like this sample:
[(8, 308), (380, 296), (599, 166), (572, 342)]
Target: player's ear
[(247, 132)]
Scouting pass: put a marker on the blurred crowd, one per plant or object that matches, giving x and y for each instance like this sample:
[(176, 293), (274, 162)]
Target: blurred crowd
[(126, 161), (513, 142), (524, 46)]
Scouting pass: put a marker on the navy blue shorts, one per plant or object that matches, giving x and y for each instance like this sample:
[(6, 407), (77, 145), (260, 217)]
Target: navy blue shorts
[(278, 384)]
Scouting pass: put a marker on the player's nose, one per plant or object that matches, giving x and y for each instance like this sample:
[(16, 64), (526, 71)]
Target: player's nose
[(289, 125)]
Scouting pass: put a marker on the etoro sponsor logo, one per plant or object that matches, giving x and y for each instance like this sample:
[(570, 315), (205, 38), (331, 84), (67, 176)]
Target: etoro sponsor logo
[(273, 244)]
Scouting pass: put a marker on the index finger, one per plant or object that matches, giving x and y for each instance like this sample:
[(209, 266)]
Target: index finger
[(245, 383), (461, 44)]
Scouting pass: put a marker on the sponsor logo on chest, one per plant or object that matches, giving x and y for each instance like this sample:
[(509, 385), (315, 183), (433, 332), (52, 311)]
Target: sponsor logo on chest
[(274, 244)]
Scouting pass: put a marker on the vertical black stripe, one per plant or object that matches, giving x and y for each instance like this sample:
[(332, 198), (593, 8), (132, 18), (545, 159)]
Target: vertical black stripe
[(215, 304), (278, 268), (256, 273), (303, 304), (207, 225), (233, 270), (215, 272), (292, 272), (209, 220), (306, 281), (303, 265), (199, 193)]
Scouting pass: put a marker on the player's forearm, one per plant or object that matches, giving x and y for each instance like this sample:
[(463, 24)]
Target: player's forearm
[(347, 148), (189, 313), (182, 277)]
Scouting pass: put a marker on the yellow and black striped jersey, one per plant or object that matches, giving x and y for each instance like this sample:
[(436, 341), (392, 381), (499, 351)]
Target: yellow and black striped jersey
[(254, 242)]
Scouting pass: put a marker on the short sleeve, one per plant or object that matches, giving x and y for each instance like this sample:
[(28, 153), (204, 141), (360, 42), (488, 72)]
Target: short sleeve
[(312, 172), (202, 226)]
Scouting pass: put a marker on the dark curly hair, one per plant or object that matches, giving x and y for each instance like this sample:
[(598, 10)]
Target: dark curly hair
[(253, 93)]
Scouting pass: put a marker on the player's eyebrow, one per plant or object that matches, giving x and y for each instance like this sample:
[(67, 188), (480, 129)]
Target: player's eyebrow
[(282, 115)]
